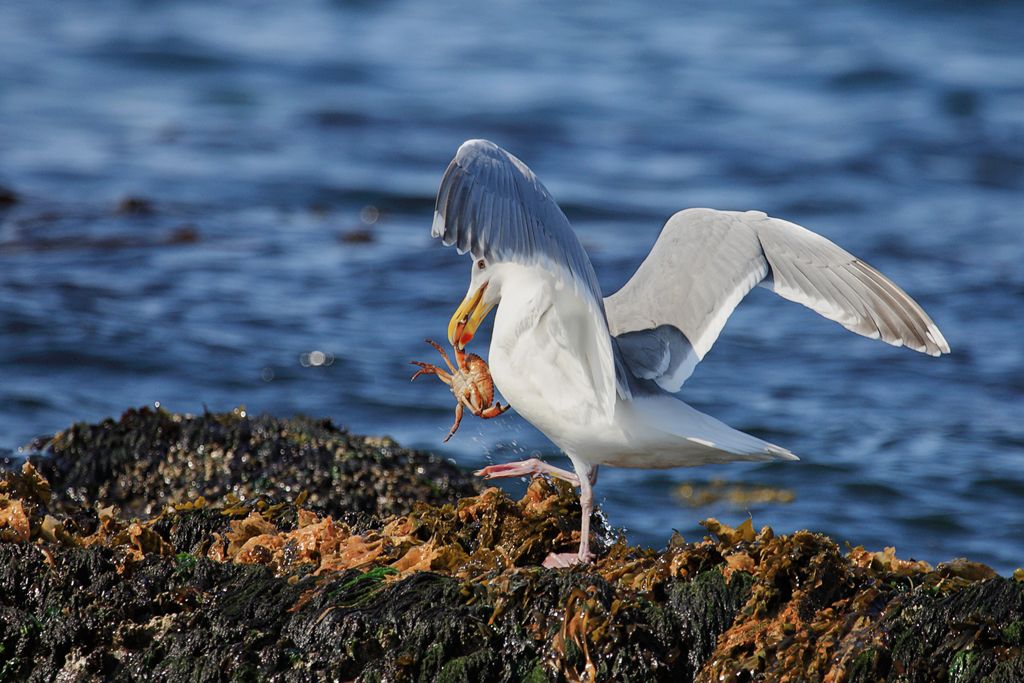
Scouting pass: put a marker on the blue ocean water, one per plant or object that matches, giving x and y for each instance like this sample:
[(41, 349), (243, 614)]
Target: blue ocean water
[(283, 158)]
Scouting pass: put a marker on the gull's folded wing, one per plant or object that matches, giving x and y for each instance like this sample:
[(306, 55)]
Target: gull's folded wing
[(670, 313), (492, 205)]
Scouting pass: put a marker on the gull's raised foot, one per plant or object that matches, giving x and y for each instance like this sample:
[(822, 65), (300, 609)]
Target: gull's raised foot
[(563, 560), (510, 469), (526, 468)]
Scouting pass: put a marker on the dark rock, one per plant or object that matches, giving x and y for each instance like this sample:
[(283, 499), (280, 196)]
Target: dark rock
[(151, 458), (357, 236), (135, 206), (8, 197), (184, 234)]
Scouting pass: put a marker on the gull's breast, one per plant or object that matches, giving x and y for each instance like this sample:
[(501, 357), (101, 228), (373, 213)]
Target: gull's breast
[(541, 359)]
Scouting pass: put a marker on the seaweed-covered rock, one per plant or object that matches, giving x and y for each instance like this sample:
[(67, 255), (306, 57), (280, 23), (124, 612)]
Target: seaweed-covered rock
[(256, 587), (254, 590), (151, 457)]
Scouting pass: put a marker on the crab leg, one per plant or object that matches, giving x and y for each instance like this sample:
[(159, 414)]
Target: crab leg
[(494, 411), (428, 369), (474, 405), (460, 359), (444, 355), (458, 421)]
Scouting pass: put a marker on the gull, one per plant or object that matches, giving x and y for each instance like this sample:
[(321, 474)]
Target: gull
[(601, 376)]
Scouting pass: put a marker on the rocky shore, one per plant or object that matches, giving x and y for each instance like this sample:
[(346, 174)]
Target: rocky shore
[(230, 547)]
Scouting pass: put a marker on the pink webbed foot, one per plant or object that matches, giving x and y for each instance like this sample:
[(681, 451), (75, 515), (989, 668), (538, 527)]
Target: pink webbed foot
[(537, 466), (526, 468), (563, 560)]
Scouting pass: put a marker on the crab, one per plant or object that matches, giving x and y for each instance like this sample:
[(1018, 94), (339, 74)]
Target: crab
[(470, 382)]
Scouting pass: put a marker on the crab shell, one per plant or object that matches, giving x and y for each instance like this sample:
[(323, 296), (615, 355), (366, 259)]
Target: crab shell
[(476, 374)]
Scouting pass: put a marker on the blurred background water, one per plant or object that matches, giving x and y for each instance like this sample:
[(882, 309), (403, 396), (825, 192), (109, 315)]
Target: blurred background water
[(215, 204)]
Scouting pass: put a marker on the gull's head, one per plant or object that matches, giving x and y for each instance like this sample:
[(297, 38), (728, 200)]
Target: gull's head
[(483, 295)]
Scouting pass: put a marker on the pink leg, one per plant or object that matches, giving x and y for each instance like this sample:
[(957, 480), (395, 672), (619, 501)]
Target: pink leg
[(583, 555), (525, 468)]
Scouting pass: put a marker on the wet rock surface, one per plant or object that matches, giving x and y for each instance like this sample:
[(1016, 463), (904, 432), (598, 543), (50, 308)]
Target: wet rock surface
[(150, 457), (225, 547)]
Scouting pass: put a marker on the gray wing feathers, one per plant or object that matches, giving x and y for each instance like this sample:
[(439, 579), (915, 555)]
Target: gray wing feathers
[(705, 261), (809, 269), (493, 206), (678, 286)]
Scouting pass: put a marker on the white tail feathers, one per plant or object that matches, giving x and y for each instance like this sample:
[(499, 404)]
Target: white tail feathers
[(701, 438)]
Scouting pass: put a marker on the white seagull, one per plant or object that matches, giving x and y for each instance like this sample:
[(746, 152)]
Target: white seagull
[(600, 376)]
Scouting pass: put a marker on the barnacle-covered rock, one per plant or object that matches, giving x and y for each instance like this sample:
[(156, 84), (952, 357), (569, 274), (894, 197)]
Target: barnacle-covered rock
[(151, 457)]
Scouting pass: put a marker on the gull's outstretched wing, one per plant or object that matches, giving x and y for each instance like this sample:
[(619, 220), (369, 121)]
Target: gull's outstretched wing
[(669, 314)]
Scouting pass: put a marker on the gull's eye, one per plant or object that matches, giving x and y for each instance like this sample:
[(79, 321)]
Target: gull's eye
[(481, 264)]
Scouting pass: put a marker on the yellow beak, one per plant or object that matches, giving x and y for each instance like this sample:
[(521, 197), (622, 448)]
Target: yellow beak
[(467, 318)]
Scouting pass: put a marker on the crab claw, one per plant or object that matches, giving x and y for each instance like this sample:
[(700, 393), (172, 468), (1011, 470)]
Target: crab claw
[(460, 328)]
